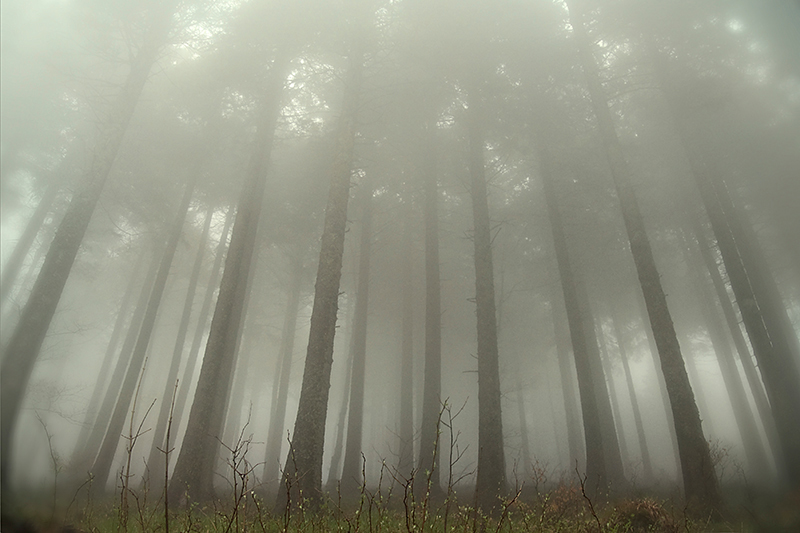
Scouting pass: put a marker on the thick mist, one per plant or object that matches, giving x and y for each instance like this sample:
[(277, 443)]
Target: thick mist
[(550, 242)]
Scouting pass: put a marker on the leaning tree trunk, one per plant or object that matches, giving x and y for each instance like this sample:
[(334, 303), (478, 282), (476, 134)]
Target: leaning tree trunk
[(491, 477), (105, 457), (108, 358), (26, 341), (699, 480), (200, 330), (773, 352), (757, 460), (303, 466), (159, 447), (84, 456), (14, 264), (194, 469), (427, 465)]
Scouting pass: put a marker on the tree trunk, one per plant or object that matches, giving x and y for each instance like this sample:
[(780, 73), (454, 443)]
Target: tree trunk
[(647, 463), (405, 463), (751, 373), (616, 421), (23, 348), (351, 471), (491, 477), (155, 463), (23, 246), (596, 473), (105, 457), (200, 330), (84, 457), (760, 468), (194, 469), (428, 458), (303, 466), (111, 349), (277, 419), (699, 480)]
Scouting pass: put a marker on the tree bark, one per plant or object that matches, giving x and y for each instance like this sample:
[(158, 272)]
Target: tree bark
[(699, 480), (491, 477), (194, 469), (303, 466), (23, 348)]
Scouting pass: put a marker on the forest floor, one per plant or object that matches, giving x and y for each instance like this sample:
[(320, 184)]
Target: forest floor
[(565, 508)]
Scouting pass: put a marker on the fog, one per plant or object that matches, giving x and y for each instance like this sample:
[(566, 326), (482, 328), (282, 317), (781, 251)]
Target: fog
[(595, 135)]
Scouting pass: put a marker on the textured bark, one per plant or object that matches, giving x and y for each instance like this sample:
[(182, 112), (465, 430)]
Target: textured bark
[(427, 460), (698, 387), (647, 463), (405, 463), (277, 419), (596, 473), (14, 264), (303, 466), (194, 469), (105, 457), (23, 347), (155, 463), (699, 480), (491, 477)]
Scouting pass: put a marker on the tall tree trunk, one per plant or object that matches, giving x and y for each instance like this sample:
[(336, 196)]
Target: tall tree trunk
[(596, 472), (405, 463), (699, 479), (428, 460), (778, 371), (111, 350), (491, 477), (612, 390), (14, 264), (351, 471), (83, 457), (647, 463), (335, 470), (303, 466), (698, 387), (200, 330), (577, 453), (526, 457), (611, 446), (159, 448), (755, 454), (105, 457), (751, 373), (277, 419), (194, 469), (26, 341)]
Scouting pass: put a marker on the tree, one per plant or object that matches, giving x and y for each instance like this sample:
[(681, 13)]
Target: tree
[(23, 348), (699, 480), (491, 456), (194, 468)]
